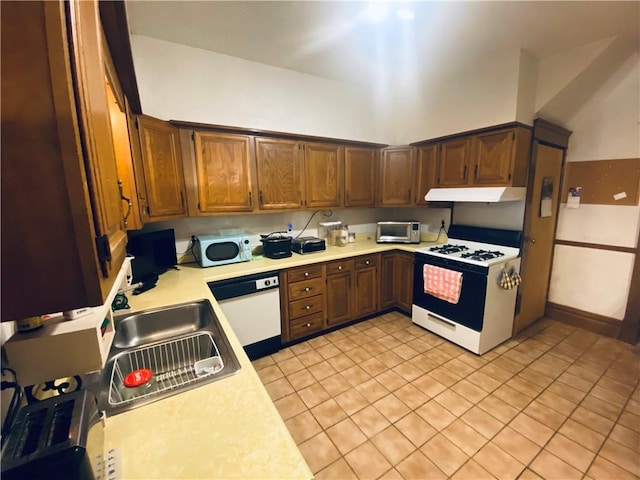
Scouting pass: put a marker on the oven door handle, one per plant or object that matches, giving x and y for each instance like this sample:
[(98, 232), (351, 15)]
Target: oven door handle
[(440, 319)]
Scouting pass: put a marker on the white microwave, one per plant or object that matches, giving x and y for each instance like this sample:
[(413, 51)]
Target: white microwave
[(398, 232), (213, 250)]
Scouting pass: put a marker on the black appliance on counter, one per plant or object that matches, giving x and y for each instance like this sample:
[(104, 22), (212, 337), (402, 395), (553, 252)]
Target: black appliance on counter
[(276, 245), (308, 245), (154, 252), (60, 438)]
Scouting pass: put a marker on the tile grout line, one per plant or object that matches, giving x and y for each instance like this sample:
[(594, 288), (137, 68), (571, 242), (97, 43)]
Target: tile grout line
[(458, 354)]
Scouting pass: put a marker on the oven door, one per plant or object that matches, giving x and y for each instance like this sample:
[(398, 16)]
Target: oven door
[(469, 311)]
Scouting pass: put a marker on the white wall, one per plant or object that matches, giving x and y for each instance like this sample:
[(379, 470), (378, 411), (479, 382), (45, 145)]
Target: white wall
[(481, 95), (557, 71), (604, 128), (608, 126), (184, 83), (504, 215)]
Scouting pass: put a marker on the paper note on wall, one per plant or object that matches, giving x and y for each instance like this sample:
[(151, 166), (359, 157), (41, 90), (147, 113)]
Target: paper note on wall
[(573, 201), (620, 196)]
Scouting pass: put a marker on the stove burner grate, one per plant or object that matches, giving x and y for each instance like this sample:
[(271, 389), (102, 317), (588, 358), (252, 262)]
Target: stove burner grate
[(448, 249), (482, 255)]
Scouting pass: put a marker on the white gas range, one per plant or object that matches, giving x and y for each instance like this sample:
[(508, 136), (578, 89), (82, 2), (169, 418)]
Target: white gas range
[(465, 291)]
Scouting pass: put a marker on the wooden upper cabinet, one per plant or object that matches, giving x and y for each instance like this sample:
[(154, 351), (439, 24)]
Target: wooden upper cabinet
[(93, 106), (63, 238), (454, 162), (279, 173), (223, 172), (163, 174), (426, 171), (324, 175), (493, 158), (360, 176), (497, 158), (396, 176), (122, 127)]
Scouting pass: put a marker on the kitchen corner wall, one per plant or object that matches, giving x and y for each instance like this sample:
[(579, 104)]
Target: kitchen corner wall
[(605, 128), (360, 220)]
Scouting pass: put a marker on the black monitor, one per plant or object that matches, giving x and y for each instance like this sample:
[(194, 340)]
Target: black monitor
[(154, 252)]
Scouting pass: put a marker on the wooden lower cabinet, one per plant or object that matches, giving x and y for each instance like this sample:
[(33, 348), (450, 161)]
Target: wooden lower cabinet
[(325, 295), (339, 293), (387, 297), (302, 301), (366, 285), (403, 280), (396, 280)]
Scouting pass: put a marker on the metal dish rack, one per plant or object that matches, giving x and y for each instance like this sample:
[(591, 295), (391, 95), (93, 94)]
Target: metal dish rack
[(172, 364)]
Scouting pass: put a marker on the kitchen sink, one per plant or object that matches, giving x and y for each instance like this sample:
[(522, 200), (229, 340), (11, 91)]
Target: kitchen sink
[(174, 342), (153, 325)]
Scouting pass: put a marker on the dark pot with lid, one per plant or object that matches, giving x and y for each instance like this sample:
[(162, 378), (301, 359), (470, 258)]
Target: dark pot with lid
[(276, 245)]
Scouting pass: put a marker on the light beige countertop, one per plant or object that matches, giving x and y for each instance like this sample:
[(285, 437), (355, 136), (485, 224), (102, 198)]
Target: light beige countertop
[(226, 429)]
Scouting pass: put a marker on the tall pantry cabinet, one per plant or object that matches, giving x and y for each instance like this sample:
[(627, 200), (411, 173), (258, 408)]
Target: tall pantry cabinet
[(63, 237)]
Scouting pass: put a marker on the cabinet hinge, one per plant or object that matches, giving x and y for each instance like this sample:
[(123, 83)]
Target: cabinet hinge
[(193, 136), (136, 122), (103, 248), (509, 176)]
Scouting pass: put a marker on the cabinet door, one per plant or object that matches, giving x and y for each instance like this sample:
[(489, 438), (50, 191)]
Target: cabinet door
[(426, 171), (54, 203), (403, 282), (279, 173), (223, 172), (88, 61), (396, 176), (339, 301), (324, 175), (366, 291), (493, 158), (162, 164), (454, 163), (387, 298), (359, 176)]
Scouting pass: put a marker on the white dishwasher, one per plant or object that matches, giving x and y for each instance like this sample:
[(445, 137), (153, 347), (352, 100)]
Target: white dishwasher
[(252, 307)]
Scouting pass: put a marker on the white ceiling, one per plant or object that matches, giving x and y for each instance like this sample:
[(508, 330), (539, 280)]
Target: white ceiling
[(338, 40)]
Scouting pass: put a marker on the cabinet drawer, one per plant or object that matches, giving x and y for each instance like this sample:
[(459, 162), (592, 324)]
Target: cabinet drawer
[(307, 288), (366, 261), (339, 266), (306, 306), (305, 325), (304, 273)]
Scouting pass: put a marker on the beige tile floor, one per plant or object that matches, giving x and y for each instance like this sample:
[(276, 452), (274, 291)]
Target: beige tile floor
[(387, 399)]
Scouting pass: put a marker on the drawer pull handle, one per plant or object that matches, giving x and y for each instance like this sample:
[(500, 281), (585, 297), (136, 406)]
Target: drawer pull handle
[(307, 289), (340, 267), (308, 307), (367, 262), (306, 274), (308, 325)]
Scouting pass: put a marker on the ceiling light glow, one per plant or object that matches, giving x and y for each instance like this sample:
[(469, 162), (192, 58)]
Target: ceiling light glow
[(377, 11), (405, 14)]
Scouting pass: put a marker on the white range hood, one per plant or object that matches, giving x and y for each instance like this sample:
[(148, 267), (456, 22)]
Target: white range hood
[(476, 194)]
